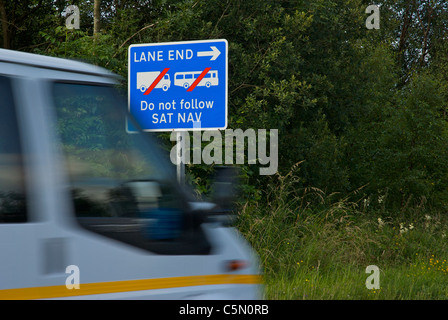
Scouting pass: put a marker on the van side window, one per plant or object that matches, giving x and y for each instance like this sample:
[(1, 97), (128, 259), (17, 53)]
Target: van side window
[(12, 187), (118, 189)]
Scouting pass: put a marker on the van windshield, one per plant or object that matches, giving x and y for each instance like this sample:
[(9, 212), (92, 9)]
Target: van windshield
[(92, 126), (121, 186)]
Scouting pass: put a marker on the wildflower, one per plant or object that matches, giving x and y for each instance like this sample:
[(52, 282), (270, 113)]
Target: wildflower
[(427, 217), (366, 203), (380, 223), (403, 229), (411, 226)]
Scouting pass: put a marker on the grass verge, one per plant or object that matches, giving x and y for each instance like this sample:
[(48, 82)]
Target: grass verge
[(313, 246)]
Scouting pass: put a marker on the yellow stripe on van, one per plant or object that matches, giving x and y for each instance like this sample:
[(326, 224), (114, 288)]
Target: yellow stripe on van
[(125, 286)]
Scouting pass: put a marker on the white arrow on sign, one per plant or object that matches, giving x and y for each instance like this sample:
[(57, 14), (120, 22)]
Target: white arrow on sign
[(214, 53)]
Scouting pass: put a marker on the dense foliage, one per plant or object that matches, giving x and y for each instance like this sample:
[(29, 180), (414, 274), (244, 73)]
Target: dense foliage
[(359, 109)]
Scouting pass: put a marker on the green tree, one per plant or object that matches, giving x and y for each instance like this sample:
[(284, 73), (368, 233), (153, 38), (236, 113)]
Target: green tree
[(349, 103)]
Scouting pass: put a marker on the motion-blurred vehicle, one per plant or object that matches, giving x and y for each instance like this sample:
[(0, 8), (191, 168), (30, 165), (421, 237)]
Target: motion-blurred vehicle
[(91, 211)]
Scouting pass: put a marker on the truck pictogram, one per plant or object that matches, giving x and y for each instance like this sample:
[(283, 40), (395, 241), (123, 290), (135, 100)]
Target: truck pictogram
[(145, 79)]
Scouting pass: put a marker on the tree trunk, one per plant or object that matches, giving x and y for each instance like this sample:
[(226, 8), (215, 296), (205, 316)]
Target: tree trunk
[(5, 29), (96, 16)]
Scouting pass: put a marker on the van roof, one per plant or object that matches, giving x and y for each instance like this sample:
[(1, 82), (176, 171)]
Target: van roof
[(47, 62)]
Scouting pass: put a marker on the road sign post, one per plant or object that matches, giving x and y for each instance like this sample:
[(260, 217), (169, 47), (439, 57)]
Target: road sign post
[(180, 154), (175, 85)]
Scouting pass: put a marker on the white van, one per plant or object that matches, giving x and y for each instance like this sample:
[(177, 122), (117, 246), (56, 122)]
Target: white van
[(89, 211)]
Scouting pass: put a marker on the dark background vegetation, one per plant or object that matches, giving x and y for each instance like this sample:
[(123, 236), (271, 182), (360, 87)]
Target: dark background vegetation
[(363, 111)]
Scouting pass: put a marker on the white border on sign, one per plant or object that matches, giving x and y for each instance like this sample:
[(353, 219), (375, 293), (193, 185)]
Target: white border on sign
[(174, 43)]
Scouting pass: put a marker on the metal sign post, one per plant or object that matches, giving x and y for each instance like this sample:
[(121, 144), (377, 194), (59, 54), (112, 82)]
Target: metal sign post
[(180, 153)]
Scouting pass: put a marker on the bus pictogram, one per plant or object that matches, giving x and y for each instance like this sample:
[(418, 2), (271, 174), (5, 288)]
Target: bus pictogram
[(186, 79)]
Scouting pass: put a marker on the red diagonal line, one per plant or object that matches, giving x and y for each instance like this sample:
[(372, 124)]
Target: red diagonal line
[(195, 83), (159, 77)]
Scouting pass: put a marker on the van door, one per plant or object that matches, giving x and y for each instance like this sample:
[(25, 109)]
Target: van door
[(135, 235)]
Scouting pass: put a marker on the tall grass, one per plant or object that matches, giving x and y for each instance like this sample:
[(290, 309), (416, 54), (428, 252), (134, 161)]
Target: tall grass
[(317, 246)]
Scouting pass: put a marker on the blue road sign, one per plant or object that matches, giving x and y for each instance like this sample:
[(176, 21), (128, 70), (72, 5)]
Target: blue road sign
[(178, 85)]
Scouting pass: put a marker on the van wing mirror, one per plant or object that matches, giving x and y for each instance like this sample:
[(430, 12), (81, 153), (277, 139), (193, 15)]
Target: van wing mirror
[(225, 185)]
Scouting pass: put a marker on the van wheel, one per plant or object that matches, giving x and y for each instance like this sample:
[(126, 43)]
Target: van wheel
[(208, 84), (142, 88), (165, 87), (186, 85)]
